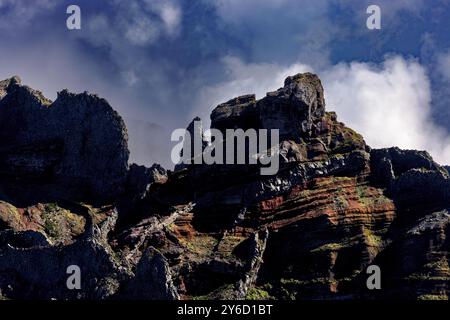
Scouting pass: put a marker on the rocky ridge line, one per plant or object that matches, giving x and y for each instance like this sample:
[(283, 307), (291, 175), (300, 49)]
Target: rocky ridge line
[(220, 231)]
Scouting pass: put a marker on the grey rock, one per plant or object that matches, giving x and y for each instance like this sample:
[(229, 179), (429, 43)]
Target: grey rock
[(435, 220), (240, 112), (153, 280), (388, 164), (258, 246), (41, 271), (140, 179), (4, 84), (418, 186), (294, 108), (411, 177), (23, 239), (193, 130), (78, 141)]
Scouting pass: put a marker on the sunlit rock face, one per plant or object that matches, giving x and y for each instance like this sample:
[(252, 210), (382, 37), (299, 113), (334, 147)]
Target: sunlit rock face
[(293, 109)]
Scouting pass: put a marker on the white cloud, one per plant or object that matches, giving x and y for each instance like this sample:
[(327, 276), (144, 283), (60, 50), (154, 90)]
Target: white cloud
[(171, 16), (389, 103), (140, 23), (133, 28), (15, 13)]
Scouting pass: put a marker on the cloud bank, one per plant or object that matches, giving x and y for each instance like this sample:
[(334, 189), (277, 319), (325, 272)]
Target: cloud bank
[(390, 104)]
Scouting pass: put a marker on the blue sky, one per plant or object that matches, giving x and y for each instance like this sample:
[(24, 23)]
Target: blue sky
[(160, 63)]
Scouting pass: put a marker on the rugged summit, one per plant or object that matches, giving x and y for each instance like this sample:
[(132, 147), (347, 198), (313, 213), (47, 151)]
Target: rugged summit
[(77, 142), (292, 109), (335, 207)]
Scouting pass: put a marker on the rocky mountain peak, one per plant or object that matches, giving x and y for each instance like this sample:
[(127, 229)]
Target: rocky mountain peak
[(306, 88), (309, 231), (293, 109), (78, 141), (4, 84)]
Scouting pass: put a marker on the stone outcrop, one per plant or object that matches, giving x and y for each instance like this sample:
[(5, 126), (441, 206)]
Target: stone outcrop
[(241, 112), (78, 141), (57, 225), (447, 168), (31, 267), (191, 150), (153, 280), (334, 207), (411, 177), (140, 179), (388, 164), (293, 109)]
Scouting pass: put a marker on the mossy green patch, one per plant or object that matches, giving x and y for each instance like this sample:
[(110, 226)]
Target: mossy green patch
[(60, 224), (329, 247), (200, 244), (369, 197), (257, 294), (372, 239), (341, 203)]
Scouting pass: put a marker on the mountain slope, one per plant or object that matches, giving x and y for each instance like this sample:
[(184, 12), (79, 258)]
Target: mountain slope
[(334, 207)]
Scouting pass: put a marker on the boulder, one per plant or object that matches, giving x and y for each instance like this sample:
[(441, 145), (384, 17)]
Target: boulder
[(153, 280), (388, 164), (294, 108), (240, 112)]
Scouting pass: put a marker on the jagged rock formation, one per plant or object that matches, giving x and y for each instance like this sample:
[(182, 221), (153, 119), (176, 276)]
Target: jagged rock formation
[(218, 231), (447, 168), (78, 141), (36, 268), (153, 280)]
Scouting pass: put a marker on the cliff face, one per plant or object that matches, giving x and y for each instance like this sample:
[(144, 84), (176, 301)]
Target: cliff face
[(216, 231), (77, 142)]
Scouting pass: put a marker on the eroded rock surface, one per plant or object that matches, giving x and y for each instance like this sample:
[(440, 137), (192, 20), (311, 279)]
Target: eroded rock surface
[(310, 231), (77, 142)]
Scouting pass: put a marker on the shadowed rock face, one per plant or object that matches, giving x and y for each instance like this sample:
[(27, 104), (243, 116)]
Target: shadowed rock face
[(335, 207), (78, 141), (241, 112)]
